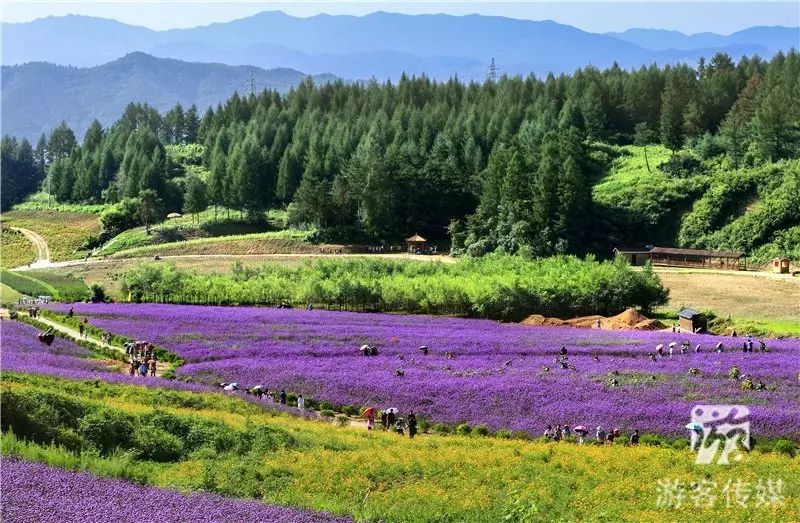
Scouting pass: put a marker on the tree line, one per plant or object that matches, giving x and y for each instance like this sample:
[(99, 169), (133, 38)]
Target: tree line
[(501, 165)]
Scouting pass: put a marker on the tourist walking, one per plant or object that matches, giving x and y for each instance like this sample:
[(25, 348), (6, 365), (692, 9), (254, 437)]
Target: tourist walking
[(412, 425), (600, 434), (398, 426), (301, 403), (282, 397), (635, 437), (80, 330)]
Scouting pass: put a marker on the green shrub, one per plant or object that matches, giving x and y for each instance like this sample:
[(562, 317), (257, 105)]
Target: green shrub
[(499, 287), (328, 413), (107, 429), (481, 430), (463, 429), (156, 444), (441, 428), (351, 410), (785, 446)]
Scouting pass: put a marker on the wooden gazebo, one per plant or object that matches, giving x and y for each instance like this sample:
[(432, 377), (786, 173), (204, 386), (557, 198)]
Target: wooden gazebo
[(416, 244)]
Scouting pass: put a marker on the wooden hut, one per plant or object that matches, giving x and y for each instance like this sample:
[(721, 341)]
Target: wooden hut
[(781, 265), (416, 244), (692, 321), (635, 256)]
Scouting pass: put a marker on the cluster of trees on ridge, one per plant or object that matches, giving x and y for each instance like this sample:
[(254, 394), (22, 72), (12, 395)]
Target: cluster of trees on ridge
[(506, 165)]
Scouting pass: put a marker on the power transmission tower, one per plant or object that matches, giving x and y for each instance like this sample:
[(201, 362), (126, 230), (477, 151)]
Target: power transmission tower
[(251, 83), (491, 72)]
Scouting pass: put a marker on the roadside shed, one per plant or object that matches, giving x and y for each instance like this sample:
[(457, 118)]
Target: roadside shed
[(781, 265), (692, 321)]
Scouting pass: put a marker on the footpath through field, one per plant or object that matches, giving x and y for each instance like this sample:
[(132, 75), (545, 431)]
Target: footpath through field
[(43, 250), (74, 333)]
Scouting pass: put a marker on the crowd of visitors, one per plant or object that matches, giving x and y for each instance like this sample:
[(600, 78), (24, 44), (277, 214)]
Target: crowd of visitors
[(142, 358)]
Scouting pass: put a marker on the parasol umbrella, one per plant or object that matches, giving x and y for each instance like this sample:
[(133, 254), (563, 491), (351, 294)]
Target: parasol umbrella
[(695, 426), (174, 215), (391, 410), (364, 347), (369, 411), (581, 428), (659, 346)]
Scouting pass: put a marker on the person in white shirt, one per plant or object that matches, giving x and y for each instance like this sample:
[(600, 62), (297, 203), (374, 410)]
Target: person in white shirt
[(301, 403)]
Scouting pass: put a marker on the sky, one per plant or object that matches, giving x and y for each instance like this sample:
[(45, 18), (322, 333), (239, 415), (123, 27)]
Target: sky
[(600, 16)]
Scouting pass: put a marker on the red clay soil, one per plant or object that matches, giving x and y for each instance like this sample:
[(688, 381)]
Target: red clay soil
[(630, 319)]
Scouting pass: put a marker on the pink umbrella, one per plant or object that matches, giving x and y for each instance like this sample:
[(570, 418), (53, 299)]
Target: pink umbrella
[(581, 428)]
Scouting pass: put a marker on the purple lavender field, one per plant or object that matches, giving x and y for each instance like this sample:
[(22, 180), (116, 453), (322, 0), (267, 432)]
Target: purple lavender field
[(22, 352), (497, 375), (36, 492)]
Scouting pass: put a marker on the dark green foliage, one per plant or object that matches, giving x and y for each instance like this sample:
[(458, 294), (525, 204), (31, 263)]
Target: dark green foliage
[(106, 429), (498, 287), (21, 171), (506, 165)]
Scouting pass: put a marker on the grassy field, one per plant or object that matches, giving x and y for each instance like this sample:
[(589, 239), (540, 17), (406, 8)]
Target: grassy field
[(39, 202), (7, 294), (377, 476), (15, 249), (65, 232), (59, 284), (276, 242), (207, 224), (754, 302)]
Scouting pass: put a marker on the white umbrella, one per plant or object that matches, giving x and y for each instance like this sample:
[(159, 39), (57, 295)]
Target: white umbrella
[(391, 410), (695, 426), (364, 347), (659, 346)]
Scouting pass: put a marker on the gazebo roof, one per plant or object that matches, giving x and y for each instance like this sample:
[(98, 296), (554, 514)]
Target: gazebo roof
[(416, 238)]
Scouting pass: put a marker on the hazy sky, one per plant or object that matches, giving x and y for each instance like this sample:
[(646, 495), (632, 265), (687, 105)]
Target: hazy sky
[(598, 16)]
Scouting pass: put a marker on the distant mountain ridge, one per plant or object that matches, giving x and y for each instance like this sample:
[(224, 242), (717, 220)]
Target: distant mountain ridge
[(380, 44), (204, 65), (38, 95), (771, 39)]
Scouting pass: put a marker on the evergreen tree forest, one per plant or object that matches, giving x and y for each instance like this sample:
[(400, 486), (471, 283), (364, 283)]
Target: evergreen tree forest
[(504, 165)]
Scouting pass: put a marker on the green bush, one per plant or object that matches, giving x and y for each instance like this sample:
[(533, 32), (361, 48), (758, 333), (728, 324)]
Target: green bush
[(39, 415), (498, 287), (785, 446), (107, 429), (156, 444), (481, 430), (463, 429)]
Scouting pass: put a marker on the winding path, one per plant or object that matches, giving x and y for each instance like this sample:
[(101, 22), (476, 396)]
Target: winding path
[(161, 366), (43, 250)]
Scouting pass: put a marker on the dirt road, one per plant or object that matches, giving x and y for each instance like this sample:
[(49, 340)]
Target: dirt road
[(43, 250)]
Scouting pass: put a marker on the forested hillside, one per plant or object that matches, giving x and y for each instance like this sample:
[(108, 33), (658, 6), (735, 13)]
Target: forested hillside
[(535, 166)]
